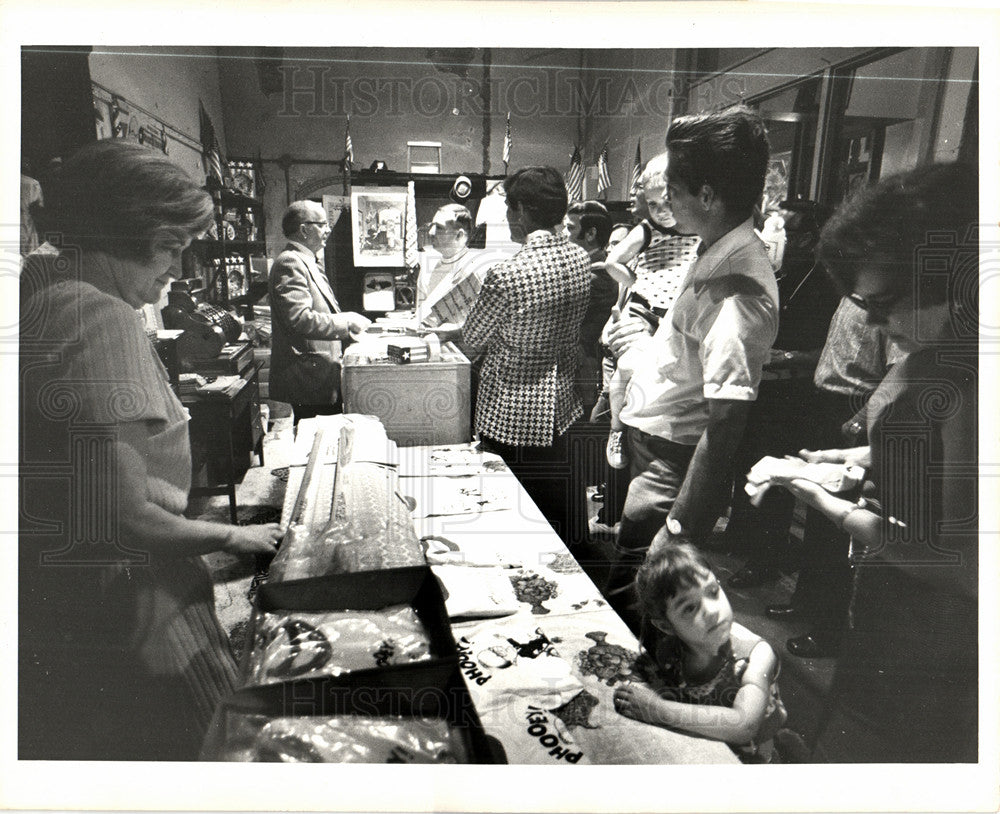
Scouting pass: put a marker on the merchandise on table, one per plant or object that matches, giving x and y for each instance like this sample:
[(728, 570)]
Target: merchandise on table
[(341, 739), (292, 645)]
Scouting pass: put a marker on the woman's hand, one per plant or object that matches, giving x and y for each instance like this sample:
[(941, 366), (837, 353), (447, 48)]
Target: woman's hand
[(262, 539), (855, 456), (807, 491), (623, 334)]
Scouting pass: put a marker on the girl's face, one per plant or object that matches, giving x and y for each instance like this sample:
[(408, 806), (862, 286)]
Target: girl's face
[(658, 205), (699, 616)]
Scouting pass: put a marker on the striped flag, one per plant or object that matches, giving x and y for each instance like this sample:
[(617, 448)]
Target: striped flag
[(508, 142), (574, 177), (636, 170), (348, 145), (209, 145), (410, 257), (603, 176)]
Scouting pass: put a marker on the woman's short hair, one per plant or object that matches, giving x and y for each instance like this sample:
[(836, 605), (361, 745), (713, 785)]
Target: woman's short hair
[(459, 215), (669, 569), (914, 227), (727, 150), (541, 191), (118, 197), (593, 215)]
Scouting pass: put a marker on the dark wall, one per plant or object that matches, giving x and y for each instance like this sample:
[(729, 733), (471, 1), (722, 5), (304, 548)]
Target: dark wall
[(57, 111)]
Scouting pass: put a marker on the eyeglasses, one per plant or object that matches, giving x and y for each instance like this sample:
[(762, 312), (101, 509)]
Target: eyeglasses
[(880, 307), (317, 222)]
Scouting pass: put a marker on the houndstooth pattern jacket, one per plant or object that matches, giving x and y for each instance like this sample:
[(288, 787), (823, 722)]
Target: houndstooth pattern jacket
[(526, 322)]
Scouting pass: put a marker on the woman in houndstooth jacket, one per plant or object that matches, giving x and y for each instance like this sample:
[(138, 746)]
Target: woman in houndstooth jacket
[(526, 324)]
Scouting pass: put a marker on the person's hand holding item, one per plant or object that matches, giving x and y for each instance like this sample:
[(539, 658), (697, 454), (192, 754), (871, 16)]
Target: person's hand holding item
[(625, 333), (853, 456), (827, 475), (356, 323), (259, 539)]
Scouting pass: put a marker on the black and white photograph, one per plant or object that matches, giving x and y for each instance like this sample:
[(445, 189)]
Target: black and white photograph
[(496, 390)]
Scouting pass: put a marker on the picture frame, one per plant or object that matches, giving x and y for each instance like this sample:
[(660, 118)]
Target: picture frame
[(377, 225)]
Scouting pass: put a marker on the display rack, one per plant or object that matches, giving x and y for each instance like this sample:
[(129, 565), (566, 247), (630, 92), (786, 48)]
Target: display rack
[(225, 259)]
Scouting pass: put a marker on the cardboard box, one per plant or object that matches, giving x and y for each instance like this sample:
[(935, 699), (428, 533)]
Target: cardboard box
[(433, 688), (420, 403)]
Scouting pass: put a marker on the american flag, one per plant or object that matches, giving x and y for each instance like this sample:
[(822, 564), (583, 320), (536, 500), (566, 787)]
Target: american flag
[(348, 145), (210, 145), (508, 142), (603, 176), (636, 170), (574, 177)]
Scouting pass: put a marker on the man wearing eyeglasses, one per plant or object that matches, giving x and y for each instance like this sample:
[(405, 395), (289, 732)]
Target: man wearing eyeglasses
[(445, 294), (307, 325)]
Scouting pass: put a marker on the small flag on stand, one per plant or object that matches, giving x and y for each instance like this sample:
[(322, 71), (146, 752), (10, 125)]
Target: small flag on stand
[(508, 142), (411, 257), (348, 146), (636, 170), (574, 177), (210, 146), (603, 176)]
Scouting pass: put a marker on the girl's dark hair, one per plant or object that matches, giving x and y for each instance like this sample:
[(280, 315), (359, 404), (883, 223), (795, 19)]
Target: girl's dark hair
[(668, 570), (542, 191), (727, 150), (119, 197), (912, 228)]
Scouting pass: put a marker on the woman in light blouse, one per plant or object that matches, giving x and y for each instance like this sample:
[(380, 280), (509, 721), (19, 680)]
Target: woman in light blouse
[(121, 653)]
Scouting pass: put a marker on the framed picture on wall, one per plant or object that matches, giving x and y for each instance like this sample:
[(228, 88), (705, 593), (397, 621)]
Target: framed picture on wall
[(377, 225)]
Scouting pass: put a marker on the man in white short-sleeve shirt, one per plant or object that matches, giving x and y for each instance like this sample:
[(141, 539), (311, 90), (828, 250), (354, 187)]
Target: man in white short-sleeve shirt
[(694, 380)]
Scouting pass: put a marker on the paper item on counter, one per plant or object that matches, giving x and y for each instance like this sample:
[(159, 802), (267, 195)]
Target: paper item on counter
[(467, 495), (448, 460), (476, 593), (219, 385), (443, 551), (832, 477), (370, 442)]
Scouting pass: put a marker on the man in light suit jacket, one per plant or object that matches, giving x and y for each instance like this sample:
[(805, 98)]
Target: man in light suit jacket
[(306, 321)]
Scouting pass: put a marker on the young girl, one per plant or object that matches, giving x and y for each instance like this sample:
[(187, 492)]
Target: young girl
[(661, 259), (713, 677)]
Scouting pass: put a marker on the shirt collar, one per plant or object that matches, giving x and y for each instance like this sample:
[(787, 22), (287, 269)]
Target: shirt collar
[(723, 247), (451, 261), (542, 234)]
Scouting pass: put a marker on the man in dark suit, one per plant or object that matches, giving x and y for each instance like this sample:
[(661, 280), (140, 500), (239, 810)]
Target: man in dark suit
[(307, 325)]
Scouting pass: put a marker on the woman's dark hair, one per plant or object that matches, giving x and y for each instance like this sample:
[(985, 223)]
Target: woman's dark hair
[(669, 569), (593, 215), (727, 150), (119, 197), (917, 227), (542, 192)]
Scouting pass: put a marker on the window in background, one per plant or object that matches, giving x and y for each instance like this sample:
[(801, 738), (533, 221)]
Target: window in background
[(891, 114), (791, 116)]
